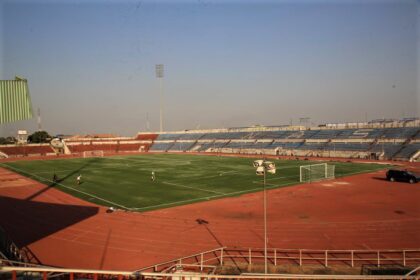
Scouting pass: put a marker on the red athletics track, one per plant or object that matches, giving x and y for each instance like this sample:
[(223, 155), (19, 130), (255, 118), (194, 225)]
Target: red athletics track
[(356, 212)]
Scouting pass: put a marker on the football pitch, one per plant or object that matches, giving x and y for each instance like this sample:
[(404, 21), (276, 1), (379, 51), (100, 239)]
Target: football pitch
[(125, 181)]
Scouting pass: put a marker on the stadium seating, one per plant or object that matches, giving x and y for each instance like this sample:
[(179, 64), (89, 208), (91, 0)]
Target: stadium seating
[(92, 147), (400, 132), (312, 146), (190, 136), (326, 134), (132, 147), (302, 134), (225, 135), (161, 146), (389, 149), (362, 133), (25, 150), (343, 146), (168, 136), (285, 145), (417, 135), (262, 145), (146, 136), (211, 146), (181, 146), (280, 134), (390, 142), (407, 151), (240, 145), (109, 146)]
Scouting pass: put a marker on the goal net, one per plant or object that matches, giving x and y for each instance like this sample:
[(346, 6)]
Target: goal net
[(316, 172), (93, 154)]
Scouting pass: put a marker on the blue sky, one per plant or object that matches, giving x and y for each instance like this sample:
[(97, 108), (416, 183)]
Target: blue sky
[(90, 64)]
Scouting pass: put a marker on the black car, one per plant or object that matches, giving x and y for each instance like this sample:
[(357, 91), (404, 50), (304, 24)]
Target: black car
[(402, 176)]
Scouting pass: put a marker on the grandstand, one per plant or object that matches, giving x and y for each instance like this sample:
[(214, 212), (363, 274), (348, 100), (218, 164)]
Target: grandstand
[(372, 141), (367, 142), (26, 150)]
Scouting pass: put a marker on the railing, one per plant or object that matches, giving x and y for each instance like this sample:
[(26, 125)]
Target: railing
[(300, 257), (12, 252), (9, 248), (201, 259), (325, 258), (203, 265), (71, 274)]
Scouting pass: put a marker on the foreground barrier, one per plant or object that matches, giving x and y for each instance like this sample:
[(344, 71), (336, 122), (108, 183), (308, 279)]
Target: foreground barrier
[(326, 258), (300, 257), (203, 265), (72, 274)]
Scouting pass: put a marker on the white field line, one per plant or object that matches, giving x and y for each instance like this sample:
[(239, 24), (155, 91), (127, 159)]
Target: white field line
[(112, 165), (209, 197), (64, 186), (262, 183), (359, 172), (183, 186), (272, 179), (67, 170), (238, 171), (296, 176), (150, 158), (218, 175), (226, 172), (284, 177)]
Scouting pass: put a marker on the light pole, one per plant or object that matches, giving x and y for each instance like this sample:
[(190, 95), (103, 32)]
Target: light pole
[(159, 75), (263, 166)]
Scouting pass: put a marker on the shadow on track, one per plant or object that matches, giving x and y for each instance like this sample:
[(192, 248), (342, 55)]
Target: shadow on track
[(59, 180), (29, 221)]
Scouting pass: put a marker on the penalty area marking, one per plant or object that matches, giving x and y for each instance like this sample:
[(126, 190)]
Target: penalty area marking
[(274, 179), (64, 186), (208, 197), (182, 162), (183, 186)]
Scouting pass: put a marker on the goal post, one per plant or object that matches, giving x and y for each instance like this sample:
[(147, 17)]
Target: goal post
[(316, 172), (98, 153)]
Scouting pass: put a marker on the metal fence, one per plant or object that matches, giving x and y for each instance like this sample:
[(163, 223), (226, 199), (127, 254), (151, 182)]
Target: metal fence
[(300, 257), (202, 265), (326, 258)]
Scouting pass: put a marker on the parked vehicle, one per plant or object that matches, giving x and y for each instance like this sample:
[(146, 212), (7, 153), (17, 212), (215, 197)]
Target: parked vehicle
[(402, 176)]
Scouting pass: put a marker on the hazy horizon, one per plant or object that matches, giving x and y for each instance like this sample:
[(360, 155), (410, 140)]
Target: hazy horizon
[(90, 65)]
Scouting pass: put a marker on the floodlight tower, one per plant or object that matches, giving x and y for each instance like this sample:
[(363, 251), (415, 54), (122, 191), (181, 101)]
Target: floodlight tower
[(306, 121), (159, 75), (262, 166), (39, 120)]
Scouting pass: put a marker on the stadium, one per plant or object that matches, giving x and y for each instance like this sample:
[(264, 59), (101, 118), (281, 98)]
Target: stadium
[(302, 200), (212, 203)]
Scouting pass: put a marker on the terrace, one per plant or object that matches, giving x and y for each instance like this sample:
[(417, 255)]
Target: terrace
[(161, 146)]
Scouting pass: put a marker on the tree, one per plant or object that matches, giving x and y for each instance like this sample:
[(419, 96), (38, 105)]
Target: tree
[(7, 140), (39, 137)]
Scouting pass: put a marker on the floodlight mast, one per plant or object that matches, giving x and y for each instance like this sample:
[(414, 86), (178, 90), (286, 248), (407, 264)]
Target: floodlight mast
[(265, 223), (264, 166), (159, 75)]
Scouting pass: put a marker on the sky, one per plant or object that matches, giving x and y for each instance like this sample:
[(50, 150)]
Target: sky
[(90, 65)]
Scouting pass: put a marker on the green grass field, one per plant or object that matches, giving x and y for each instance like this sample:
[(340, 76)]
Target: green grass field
[(125, 181)]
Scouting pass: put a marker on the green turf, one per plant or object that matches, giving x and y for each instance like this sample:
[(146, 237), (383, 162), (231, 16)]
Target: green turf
[(125, 181)]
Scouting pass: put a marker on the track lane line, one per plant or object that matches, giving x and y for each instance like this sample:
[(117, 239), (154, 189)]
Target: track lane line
[(64, 186)]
